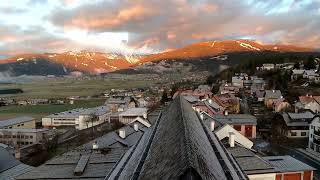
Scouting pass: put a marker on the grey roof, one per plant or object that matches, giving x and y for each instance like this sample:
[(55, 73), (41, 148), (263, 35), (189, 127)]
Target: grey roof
[(180, 146), (191, 99), (17, 120), (24, 130), (10, 167), (287, 164), (272, 94), (100, 163), (248, 160), (134, 112), (74, 113), (15, 171), (298, 119), (236, 119)]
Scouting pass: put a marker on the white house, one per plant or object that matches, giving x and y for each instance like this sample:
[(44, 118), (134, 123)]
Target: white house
[(314, 135), (79, 118), (132, 114)]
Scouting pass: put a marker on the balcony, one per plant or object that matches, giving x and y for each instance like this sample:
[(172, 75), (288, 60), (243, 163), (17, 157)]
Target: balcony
[(316, 140), (317, 132)]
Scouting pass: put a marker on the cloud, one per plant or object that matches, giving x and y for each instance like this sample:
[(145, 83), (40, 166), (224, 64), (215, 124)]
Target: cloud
[(170, 24), (12, 10), (154, 25)]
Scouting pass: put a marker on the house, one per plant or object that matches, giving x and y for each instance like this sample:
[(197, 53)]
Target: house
[(142, 102), (281, 105), (238, 80), (243, 123), (314, 135), (22, 137), (202, 92), (228, 88), (293, 125), (288, 167), (177, 146), (228, 102), (270, 97), (120, 103), (209, 107), (10, 168), (132, 114), (38, 101), (23, 122), (310, 74), (308, 102), (267, 167), (80, 118), (297, 74), (268, 67)]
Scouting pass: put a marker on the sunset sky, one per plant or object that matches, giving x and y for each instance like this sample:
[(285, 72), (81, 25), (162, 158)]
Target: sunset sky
[(147, 26)]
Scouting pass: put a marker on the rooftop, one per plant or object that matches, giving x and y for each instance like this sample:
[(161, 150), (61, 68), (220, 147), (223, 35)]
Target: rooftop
[(235, 119), (24, 130), (273, 94), (134, 112), (287, 164), (74, 113), (179, 147), (17, 120)]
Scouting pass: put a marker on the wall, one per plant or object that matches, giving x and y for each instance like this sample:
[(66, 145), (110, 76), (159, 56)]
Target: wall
[(13, 138), (271, 176), (25, 125), (298, 133)]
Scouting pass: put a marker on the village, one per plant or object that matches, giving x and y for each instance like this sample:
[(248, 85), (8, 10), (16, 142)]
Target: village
[(262, 122)]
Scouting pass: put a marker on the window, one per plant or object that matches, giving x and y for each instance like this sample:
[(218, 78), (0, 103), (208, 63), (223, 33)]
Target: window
[(18, 125), (14, 136), (293, 133), (303, 133), (31, 137), (10, 127), (237, 127), (22, 124)]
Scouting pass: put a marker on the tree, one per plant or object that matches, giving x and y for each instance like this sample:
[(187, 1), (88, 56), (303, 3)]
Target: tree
[(310, 64), (164, 97), (210, 80)]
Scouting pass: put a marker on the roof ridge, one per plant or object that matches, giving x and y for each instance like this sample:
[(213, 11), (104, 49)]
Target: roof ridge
[(186, 132)]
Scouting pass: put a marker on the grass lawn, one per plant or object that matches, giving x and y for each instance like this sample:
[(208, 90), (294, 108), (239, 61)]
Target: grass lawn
[(38, 111)]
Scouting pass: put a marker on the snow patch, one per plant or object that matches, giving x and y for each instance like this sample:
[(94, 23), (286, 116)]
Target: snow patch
[(112, 67), (84, 64), (20, 59), (248, 46), (213, 43)]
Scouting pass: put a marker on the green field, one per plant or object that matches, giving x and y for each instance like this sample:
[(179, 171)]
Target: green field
[(65, 87), (38, 111)]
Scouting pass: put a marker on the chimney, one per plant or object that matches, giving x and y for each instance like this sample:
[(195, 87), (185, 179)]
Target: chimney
[(136, 126), (231, 139), (17, 153), (95, 146), (226, 113), (201, 116), (212, 126), (122, 133), (145, 116), (210, 101)]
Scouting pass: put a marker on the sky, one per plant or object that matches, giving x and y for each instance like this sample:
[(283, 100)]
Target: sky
[(149, 26)]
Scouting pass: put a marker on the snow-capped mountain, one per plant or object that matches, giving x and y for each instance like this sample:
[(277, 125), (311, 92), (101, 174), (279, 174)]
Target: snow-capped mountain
[(99, 62)]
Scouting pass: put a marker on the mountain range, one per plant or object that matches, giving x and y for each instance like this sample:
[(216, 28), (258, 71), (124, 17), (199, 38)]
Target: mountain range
[(99, 62)]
